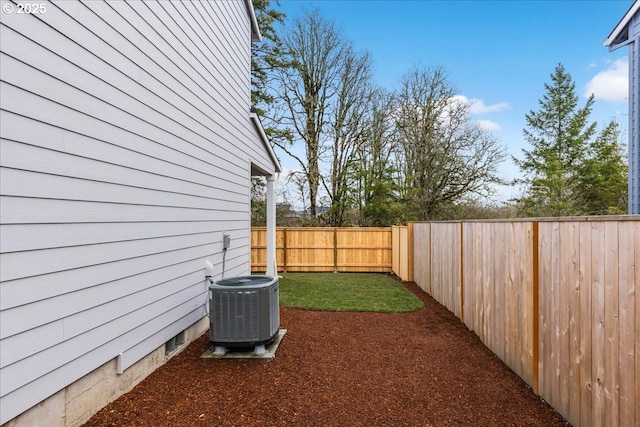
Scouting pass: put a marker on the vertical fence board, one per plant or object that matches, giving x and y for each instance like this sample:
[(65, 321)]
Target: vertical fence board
[(481, 299), (395, 252), (444, 267), (498, 292), (571, 244), (513, 332), (418, 243), (494, 290), (525, 298), (480, 283), (628, 399), (281, 249), (455, 270), (449, 284), (535, 252), (611, 380), (468, 274), (508, 299), (421, 255), (502, 256), (473, 270), (544, 311), (403, 270), (554, 320), (597, 324), (436, 264), (410, 247), (586, 325), (564, 312), (487, 285), (636, 281), (433, 266)]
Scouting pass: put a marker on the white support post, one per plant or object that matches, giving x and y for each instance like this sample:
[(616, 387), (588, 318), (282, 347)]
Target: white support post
[(272, 268)]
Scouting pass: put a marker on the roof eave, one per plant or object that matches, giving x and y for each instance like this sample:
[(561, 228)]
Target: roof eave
[(624, 22), (265, 140), (256, 36)]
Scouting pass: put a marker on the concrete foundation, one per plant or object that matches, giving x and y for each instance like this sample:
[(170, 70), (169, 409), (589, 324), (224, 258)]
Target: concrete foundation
[(79, 401)]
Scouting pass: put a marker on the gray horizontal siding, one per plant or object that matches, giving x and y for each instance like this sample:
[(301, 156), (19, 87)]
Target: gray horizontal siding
[(22, 398), (29, 163), (124, 149), (634, 114), (125, 153), (171, 85), (143, 270)]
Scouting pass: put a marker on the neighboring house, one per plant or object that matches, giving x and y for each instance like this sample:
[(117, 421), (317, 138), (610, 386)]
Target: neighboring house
[(627, 33), (127, 151)]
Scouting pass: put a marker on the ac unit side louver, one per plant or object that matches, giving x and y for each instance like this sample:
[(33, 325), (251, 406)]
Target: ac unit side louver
[(244, 311)]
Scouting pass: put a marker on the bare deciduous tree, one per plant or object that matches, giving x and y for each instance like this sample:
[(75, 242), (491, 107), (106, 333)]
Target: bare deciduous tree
[(322, 99), (447, 155), (378, 165), (349, 123), (304, 91)]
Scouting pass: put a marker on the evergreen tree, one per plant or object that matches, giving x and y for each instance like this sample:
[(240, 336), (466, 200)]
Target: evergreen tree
[(266, 55), (603, 176), (559, 134)]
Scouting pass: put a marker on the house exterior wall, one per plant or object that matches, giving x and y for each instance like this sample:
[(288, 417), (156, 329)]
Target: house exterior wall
[(80, 400), (634, 115), (126, 154), (627, 34)]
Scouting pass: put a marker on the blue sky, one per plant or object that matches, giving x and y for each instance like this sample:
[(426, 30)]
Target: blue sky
[(499, 54)]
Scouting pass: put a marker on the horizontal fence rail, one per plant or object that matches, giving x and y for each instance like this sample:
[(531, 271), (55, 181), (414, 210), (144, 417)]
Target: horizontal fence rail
[(555, 299), (325, 249)]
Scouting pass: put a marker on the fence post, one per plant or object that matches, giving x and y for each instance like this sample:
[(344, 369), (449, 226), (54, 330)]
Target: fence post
[(335, 250), (535, 306), (395, 250), (461, 272), (410, 252), (284, 249)]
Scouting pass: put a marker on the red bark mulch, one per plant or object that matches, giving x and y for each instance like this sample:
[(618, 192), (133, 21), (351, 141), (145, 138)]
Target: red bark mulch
[(341, 369)]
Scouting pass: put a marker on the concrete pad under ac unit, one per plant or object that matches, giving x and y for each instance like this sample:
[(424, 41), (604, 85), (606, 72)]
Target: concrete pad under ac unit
[(268, 355)]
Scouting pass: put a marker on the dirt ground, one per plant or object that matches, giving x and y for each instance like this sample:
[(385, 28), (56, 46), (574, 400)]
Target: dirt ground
[(341, 369)]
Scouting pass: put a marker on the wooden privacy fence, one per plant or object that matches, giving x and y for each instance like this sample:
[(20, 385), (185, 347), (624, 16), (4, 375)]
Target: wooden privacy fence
[(555, 299), (402, 251), (352, 249)]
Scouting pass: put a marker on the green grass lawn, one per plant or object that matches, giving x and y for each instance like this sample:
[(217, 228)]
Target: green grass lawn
[(346, 292)]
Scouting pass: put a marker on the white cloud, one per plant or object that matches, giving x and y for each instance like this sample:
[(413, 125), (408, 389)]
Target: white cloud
[(459, 98), (611, 84), (488, 125), (477, 106)]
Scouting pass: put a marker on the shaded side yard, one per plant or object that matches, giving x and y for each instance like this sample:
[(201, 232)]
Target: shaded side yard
[(423, 368)]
